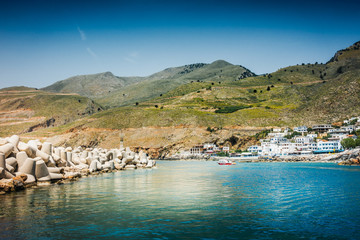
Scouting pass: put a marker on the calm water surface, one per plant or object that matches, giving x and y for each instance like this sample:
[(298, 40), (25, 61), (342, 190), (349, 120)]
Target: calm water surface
[(193, 200)]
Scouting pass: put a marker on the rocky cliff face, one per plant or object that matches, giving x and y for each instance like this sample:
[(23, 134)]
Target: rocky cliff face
[(335, 58)]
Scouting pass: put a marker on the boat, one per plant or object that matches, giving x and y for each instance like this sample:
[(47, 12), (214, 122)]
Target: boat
[(224, 162)]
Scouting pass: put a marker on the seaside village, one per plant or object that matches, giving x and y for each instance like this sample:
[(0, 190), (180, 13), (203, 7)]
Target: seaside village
[(302, 140)]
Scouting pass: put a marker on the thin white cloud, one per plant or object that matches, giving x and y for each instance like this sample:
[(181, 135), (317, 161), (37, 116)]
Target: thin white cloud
[(82, 34), (132, 57), (134, 54), (91, 52), (130, 60)]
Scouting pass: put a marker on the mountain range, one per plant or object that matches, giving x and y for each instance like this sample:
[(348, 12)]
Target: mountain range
[(178, 107), (113, 91)]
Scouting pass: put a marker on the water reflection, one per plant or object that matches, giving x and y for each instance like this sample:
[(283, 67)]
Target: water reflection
[(192, 200)]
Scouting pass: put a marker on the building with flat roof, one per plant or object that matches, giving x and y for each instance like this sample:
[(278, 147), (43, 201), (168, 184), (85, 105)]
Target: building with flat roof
[(321, 128)]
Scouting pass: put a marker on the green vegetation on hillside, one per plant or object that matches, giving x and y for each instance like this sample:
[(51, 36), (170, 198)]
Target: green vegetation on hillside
[(25, 109), (214, 96)]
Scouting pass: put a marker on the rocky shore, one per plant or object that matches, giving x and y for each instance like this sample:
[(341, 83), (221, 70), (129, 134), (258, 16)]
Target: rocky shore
[(34, 163), (348, 157)]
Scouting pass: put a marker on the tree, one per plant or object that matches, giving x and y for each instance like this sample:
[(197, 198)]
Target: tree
[(209, 129), (339, 70), (348, 143), (353, 121)]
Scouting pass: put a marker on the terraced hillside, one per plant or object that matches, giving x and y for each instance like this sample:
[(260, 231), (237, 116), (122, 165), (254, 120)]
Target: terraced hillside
[(25, 109)]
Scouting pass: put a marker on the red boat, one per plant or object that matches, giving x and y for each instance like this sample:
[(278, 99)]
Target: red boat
[(224, 162)]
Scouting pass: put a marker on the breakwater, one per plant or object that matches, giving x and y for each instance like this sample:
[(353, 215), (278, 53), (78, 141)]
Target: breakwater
[(35, 163)]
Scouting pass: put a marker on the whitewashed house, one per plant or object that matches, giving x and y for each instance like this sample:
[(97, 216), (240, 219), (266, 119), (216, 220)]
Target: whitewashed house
[(254, 149), (226, 149), (324, 146), (301, 129), (312, 135), (348, 129)]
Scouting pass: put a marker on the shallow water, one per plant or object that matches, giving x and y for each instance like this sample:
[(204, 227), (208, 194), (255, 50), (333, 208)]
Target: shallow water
[(193, 200)]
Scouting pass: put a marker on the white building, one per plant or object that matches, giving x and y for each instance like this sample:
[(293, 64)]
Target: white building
[(322, 128), (313, 135), (301, 129), (197, 150), (226, 149), (254, 149), (348, 129), (304, 139), (324, 146)]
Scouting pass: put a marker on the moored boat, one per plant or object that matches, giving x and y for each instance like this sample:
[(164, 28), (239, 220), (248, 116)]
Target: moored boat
[(224, 162)]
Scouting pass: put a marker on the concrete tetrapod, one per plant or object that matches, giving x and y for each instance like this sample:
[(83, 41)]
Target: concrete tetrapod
[(51, 162), (10, 168), (28, 167), (46, 148), (2, 161), (30, 151), (35, 144), (5, 174), (55, 170), (2, 173), (14, 140), (43, 156), (11, 161), (20, 158), (93, 166), (7, 149), (8, 175), (41, 171)]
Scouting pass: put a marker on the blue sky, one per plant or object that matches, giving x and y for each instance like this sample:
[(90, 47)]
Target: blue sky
[(45, 41)]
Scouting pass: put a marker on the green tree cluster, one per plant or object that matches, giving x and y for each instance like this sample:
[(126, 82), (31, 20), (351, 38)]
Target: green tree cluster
[(293, 134), (222, 154), (348, 143)]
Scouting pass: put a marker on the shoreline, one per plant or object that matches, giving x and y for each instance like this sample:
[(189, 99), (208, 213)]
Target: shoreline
[(25, 165)]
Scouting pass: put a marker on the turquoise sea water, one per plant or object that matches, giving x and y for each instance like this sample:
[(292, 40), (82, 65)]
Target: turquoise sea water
[(193, 200)]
